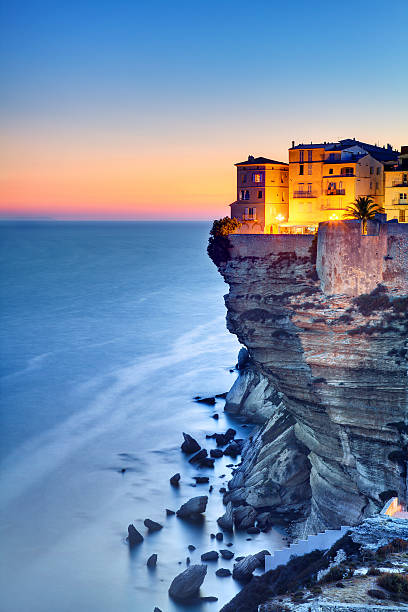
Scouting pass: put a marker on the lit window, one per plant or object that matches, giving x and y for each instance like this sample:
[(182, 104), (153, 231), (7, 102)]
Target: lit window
[(301, 169), (401, 216), (242, 195), (257, 177), (347, 171), (259, 195)]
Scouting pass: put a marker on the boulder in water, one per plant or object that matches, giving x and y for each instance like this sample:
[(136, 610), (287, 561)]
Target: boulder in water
[(134, 537), (187, 584), (152, 525), (212, 555), (190, 445), (194, 507), (152, 561)]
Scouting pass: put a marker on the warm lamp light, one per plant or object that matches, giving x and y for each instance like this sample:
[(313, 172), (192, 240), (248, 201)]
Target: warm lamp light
[(279, 218), (333, 217)]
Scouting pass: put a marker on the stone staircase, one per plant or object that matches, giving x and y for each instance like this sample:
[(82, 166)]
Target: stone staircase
[(320, 541)]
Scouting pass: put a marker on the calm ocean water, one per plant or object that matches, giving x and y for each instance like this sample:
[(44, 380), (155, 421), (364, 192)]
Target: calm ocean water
[(108, 332)]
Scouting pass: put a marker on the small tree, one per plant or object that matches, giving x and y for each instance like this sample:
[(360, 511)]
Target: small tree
[(363, 208), (218, 243)]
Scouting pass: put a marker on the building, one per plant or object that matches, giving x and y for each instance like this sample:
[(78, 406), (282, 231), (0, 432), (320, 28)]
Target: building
[(317, 185), (325, 178), (262, 195), (396, 189)]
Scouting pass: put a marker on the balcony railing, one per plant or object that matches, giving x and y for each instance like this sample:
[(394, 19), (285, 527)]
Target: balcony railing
[(303, 194), (248, 217), (335, 192), (398, 202)]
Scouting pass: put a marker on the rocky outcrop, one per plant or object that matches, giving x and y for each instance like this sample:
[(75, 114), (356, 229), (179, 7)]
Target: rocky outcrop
[(326, 378), (193, 508)]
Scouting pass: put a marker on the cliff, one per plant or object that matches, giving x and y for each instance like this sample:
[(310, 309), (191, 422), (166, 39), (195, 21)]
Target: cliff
[(326, 329)]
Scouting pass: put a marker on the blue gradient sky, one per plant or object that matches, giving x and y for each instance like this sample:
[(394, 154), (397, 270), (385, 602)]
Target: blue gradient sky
[(136, 109)]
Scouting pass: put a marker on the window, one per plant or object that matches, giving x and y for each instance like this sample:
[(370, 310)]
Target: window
[(341, 185), (242, 195), (309, 156), (259, 195), (301, 155), (300, 186), (309, 188), (403, 196), (330, 170), (244, 178), (371, 184), (347, 171), (282, 177), (371, 170), (257, 177), (401, 216), (378, 170), (331, 186), (301, 169), (247, 194), (309, 169), (405, 178)]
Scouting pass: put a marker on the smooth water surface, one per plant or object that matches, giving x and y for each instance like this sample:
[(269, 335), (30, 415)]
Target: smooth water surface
[(108, 332)]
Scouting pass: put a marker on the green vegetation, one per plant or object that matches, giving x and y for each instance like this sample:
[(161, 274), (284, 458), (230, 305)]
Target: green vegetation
[(368, 303), (218, 244), (363, 208)]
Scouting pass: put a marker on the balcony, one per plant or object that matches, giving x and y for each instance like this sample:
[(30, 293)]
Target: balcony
[(400, 183), (399, 202), (249, 217), (335, 192), (303, 194)]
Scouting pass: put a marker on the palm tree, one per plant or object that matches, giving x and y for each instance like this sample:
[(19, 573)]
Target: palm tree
[(363, 208)]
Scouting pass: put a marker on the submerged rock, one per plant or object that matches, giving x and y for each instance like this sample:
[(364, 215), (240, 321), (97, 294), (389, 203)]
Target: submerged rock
[(216, 453), (134, 537), (170, 512), (152, 525), (206, 400), (223, 572), (175, 480), (187, 584), (152, 561), (226, 554), (193, 507), (190, 445), (212, 555), (199, 456), (201, 479)]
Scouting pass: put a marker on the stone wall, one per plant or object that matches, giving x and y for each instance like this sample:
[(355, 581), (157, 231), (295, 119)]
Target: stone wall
[(262, 245)]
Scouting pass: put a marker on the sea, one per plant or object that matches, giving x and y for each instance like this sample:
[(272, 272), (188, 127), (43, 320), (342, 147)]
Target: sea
[(109, 330)]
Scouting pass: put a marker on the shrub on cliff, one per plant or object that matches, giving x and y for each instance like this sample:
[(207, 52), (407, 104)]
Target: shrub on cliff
[(368, 303), (395, 583), (218, 243)]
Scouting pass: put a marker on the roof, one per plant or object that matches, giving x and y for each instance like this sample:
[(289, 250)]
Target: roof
[(382, 154), (350, 160), (259, 161)]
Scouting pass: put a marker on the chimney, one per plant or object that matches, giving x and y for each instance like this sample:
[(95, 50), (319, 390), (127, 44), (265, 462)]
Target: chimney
[(293, 144), (251, 158), (389, 147)]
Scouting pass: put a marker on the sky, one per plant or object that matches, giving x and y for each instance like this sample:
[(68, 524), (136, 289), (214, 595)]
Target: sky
[(131, 109)]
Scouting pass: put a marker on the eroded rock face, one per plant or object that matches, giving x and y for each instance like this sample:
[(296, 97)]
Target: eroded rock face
[(329, 384)]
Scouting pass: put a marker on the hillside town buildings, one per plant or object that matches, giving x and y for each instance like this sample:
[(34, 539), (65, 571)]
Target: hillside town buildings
[(317, 184)]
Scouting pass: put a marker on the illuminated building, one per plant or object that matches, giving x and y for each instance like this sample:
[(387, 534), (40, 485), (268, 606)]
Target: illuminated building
[(396, 189), (319, 182), (262, 195)]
